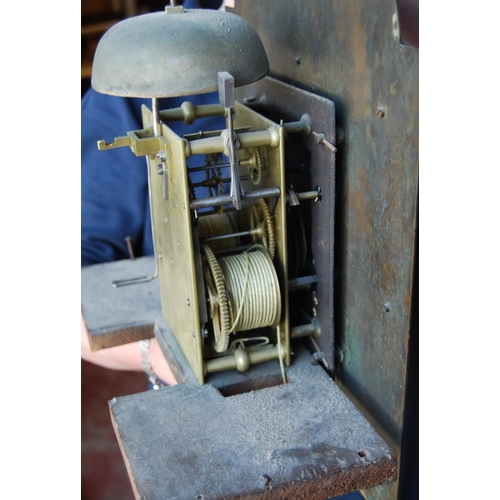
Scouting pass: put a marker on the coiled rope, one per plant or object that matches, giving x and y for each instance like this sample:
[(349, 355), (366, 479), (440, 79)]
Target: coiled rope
[(253, 287), (218, 225)]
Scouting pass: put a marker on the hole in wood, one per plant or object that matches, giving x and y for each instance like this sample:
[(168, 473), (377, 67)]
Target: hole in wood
[(251, 385)]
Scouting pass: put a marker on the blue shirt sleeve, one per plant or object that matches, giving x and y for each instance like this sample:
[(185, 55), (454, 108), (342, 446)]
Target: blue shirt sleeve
[(114, 184), (114, 197)]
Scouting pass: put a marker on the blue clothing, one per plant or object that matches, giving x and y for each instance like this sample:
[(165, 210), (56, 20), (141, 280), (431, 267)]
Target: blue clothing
[(115, 201), (114, 184)]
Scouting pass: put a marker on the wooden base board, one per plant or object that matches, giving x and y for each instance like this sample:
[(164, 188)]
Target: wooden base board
[(304, 439)]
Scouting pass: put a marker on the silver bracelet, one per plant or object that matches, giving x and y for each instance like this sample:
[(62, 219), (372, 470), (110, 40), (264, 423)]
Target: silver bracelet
[(146, 364)]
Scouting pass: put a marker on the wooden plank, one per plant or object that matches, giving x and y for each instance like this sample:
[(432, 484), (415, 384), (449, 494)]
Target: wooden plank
[(304, 439), (373, 80), (116, 316)]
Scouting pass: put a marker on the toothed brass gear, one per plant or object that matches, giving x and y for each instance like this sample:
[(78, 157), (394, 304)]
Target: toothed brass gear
[(213, 177), (255, 167), (260, 220), (219, 304), (214, 182)]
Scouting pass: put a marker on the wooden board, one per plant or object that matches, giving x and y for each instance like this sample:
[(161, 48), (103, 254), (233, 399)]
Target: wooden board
[(116, 316), (351, 53), (304, 439)]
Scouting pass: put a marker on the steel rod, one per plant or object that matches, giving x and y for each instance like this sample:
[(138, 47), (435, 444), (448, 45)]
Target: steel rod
[(225, 180), (302, 282), (225, 199), (250, 232)]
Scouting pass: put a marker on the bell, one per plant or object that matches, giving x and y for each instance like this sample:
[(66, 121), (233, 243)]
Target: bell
[(177, 53)]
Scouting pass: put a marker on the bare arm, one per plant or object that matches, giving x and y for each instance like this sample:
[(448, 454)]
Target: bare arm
[(126, 357)]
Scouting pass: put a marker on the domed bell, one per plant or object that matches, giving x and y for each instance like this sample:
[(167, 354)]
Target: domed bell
[(168, 54)]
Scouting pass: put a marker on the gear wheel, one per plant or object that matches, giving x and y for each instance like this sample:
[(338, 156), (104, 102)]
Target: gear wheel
[(214, 181), (215, 184), (219, 303), (255, 167), (260, 220)]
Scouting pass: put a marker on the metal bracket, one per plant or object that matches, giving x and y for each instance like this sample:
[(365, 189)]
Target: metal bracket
[(304, 114), (226, 98), (141, 142)]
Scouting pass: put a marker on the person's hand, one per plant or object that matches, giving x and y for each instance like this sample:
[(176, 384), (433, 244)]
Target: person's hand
[(160, 366)]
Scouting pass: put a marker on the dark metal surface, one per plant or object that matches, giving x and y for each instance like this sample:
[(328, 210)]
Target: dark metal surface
[(350, 52), (289, 104), (166, 55)]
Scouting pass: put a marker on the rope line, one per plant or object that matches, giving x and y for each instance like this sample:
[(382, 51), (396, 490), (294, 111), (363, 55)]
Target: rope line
[(252, 283), (218, 225)]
